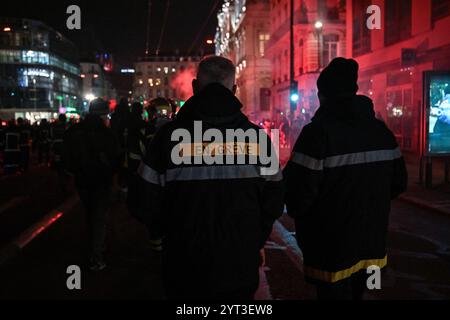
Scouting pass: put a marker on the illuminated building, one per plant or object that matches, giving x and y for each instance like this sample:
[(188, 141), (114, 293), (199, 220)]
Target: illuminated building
[(242, 34), (106, 61), (319, 37), (95, 84), (164, 77), (39, 71), (413, 39)]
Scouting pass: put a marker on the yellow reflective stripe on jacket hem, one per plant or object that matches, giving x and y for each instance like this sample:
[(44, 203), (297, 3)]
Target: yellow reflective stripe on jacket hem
[(343, 274)]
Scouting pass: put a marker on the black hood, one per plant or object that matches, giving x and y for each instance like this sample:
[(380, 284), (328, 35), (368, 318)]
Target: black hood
[(215, 105), (355, 110)]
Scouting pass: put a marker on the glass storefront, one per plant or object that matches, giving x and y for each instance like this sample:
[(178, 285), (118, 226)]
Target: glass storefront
[(39, 69)]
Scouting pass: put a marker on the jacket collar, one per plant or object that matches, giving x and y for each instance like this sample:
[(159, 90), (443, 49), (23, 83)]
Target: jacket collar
[(215, 104)]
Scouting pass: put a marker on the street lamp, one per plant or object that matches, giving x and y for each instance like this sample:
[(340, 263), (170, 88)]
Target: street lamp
[(35, 95), (318, 26), (89, 97)]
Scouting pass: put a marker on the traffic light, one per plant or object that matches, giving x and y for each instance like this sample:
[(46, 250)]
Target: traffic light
[(294, 96)]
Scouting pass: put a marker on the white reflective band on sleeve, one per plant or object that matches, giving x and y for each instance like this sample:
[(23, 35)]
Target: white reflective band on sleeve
[(362, 158), (346, 159), (274, 178), (213, 173), (134, 156), (150, 175), (307, 161)]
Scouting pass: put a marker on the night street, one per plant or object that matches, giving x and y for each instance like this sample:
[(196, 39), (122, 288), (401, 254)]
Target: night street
[(257, 155), (419, 255)]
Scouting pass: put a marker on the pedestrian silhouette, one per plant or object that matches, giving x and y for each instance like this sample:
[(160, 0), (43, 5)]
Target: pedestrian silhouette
[(345, 169), (91, 153)]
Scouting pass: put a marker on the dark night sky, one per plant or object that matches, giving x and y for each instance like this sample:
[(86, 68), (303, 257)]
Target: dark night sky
[(120, 26)]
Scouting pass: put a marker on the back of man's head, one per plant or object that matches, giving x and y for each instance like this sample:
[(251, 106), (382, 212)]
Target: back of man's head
[(98, 107), (215, 69)]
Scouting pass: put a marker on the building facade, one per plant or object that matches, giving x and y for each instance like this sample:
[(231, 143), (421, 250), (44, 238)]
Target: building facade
[(39, 71), (95, 84), (413, 38), (319, 37), (242, 35), (164, 77)]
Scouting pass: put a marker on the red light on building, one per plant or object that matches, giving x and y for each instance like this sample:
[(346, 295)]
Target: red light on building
[(7, 29), (209, 41), (83, 76), (95, 76)]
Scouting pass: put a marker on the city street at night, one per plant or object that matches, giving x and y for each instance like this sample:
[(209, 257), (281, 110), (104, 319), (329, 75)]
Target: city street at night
[(232, 158), (419, 253)]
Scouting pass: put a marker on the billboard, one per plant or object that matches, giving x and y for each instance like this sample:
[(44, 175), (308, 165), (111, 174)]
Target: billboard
[(437, 113)]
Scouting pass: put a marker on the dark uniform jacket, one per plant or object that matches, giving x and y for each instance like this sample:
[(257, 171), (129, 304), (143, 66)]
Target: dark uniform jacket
[(345, 169), (91, 152), (215, 218)]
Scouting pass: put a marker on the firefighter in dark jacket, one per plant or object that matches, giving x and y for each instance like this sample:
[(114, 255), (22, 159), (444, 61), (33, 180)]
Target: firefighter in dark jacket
[(91, 153), (11, 155), (139, 134), (119, 126), (345, 169), (215, 218), (43, 142), (25, 143), (57, 131)]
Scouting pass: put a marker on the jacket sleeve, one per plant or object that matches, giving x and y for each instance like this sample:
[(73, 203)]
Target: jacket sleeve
[(272, 198), (304, 172), (151, 183), (399, 178)]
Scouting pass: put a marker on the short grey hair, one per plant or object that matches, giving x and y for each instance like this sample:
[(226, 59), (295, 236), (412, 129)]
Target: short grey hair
[(215, 69)]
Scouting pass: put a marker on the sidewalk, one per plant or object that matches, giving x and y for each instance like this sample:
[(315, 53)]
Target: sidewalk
[(437, 198)]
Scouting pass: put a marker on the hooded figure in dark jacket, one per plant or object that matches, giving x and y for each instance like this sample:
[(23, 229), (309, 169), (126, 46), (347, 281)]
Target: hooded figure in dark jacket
[(345, 169), (215, 218)]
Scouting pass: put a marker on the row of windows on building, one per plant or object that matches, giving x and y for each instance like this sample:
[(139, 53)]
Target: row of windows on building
[(151, 70), (398, 21), (35, 99), (330, 48), (327, 9), (32, 78), (24, 39), (36, 57), (155, 82)]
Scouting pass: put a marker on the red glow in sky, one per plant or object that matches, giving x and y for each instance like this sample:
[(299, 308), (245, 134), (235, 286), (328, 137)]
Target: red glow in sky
[(182, 83)]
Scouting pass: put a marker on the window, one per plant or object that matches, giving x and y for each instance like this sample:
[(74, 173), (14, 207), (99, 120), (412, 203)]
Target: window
[(361, 34), (439, 9), (397, 21), (263, 38), (330, 48), (329, 9), (265, 99)]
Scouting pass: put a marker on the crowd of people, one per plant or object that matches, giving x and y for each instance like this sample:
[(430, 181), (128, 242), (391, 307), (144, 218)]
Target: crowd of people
[(289, 129), (211, 221), (19, 140)]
